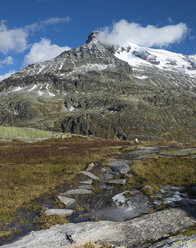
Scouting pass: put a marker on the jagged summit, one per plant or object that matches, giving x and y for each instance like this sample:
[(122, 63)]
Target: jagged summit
[(108, 91), (92, 36)]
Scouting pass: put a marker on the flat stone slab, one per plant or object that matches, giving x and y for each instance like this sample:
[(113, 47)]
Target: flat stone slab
[(66, 200), (117, 181), (87, 181), (137, 231), (89, 174), (120, 166), (84, 186), (66, 212), (77, 192)]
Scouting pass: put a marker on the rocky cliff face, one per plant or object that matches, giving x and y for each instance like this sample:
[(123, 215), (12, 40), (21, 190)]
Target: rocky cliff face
[(106, 91)]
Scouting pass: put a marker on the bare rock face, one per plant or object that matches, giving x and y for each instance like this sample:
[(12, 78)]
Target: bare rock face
[(135, 232)]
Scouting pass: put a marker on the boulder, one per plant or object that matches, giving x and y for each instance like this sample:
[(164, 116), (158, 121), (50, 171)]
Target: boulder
[(135, 232)]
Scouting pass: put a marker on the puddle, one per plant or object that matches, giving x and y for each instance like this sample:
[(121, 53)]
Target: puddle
[(123, 208)]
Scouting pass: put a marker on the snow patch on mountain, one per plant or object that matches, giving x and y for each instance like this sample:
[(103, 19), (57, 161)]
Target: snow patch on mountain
[(90, 67), (157, 58)]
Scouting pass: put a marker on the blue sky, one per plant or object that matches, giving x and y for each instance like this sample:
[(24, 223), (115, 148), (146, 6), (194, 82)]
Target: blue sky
[(34, 30)]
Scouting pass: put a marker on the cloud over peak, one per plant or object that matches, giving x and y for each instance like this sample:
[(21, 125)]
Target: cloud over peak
[(42, 51), (123, 33)]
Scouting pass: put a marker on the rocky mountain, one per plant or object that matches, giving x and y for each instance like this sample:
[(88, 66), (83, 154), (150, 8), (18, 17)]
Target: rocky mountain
[(106, 91)]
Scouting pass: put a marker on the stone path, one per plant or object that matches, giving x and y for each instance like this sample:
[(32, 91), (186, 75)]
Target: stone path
[(98, 190), (101, 185)]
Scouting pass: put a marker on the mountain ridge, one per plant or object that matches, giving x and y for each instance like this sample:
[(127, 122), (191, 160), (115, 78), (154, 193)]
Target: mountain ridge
[(95, 90)]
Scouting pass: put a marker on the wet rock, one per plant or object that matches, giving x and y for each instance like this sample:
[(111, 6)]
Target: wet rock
[(89, 174), (120, 166), (176, 196), (84, 186), (131, 204), (177, 242), (117, 181), (137, 231), (87, 181), (194, 188), (66, 212), (66, 200), (90, 167), (125, 205), (77, 192)]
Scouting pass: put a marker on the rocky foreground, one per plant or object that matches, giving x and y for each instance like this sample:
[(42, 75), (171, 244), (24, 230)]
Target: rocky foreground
[(135, 232)]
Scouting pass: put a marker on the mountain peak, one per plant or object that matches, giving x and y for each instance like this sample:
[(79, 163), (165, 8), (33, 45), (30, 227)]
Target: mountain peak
[(92, 37)]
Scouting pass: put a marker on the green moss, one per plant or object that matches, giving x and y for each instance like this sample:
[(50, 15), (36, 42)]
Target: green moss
[(150, 174), (127, 194), (29, 134), (46, 222), (96, 190), (190, 231)]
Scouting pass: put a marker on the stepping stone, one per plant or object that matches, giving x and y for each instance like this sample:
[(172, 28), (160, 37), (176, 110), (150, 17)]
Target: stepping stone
[(90, 167), (87, 181), (77, 192), (66, 200), (65, 212), (120, 166), (129, 175), (117, 181), (85, 187), (108, 176), (89, 174)]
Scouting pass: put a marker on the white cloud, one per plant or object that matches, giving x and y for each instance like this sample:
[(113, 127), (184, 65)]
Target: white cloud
[(56, 20), (15, 40), (6, 75), (124, 32), (50, 21), (12, 40), (7, 61), (43, 50)]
